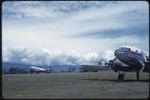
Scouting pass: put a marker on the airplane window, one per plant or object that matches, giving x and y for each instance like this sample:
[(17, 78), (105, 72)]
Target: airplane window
[(147, 57), (129, 49), (137, 51), (125, 49)]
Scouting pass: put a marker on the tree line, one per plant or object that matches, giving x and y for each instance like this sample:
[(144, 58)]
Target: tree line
[(82, 68)]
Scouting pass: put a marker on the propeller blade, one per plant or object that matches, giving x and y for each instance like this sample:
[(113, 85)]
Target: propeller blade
[(144, 56), (142, 69)]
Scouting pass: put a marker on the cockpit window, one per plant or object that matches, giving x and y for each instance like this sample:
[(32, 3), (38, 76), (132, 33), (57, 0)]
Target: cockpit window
[(130, 48), (125, 49), (136, 50), (147, 58)]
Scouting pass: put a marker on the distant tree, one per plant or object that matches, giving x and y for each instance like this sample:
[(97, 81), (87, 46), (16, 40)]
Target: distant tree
[(73, 69), (12, 70), (62, 71), (92, 68), (99, 63), (4, 71), (105, 63), (21, 70), (87, 68), (50, 70), (69, 70)]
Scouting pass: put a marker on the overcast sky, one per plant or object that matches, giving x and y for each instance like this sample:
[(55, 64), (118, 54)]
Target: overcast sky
[(75, 26)]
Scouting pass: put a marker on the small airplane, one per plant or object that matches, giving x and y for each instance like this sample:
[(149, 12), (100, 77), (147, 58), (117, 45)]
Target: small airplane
[(37, 69), (129, 59)]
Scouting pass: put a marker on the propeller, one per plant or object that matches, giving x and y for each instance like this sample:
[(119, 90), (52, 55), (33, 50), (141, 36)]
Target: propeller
[(144, 56), (146, 60), (110, 63), (142, 69)]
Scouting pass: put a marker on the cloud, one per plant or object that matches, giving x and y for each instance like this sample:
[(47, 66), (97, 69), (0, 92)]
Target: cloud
[(112, 20), (47, 57), (87, 26)]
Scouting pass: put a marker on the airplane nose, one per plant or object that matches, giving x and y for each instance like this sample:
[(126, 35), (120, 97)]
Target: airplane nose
[(119, 53), (116, 52)]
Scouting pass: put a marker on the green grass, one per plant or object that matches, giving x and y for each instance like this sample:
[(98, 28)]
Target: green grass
[(101, 84)]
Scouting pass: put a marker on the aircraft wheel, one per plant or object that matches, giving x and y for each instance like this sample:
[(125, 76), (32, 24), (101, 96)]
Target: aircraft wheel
[(137, 75), (121, 77)]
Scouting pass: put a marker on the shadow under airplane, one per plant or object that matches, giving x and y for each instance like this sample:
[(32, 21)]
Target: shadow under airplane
[(115, 80)]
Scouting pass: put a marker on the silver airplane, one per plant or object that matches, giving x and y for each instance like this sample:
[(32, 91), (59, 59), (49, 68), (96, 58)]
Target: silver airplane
[(37, 69), (129, 59)]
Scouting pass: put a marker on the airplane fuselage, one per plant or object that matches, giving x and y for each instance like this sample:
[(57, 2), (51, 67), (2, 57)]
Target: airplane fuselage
[(131, 58)]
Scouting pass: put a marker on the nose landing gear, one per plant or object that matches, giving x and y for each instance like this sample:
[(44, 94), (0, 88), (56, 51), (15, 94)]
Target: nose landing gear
[(137, 75)]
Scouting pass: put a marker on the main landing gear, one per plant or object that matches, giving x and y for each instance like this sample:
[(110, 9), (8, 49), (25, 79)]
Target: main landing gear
[(138, 75), (121, 76)]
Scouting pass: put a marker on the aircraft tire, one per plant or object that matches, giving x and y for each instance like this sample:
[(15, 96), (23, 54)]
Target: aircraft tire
[(137, 75), (120, 77)]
